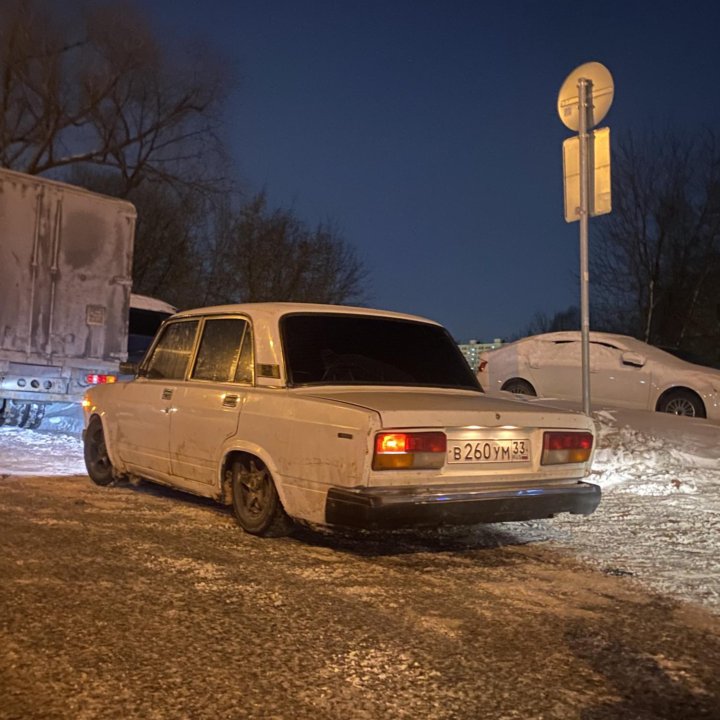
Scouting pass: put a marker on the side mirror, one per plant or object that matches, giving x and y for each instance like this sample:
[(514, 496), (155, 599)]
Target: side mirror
[(129, 368), (634, 359)]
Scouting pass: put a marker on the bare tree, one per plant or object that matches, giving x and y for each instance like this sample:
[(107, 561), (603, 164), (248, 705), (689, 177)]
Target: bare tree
[(656, 257), (100, 91), (92, 96), (271, 255), (568, 319)]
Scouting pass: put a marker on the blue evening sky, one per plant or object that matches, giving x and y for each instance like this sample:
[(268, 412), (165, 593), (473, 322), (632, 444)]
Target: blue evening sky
[(428, 132)]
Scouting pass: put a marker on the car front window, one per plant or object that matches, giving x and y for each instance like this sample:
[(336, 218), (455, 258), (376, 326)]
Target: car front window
[(170, 356), (367, 350)]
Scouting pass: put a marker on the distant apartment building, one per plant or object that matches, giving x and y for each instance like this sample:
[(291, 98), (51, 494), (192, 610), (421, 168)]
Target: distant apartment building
[(472, 349)]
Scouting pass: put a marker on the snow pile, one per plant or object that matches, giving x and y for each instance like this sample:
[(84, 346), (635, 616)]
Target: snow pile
[(659, 519), (643, 462)]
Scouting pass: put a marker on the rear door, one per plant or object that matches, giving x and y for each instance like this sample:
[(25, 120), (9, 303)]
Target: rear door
[(207, 407)]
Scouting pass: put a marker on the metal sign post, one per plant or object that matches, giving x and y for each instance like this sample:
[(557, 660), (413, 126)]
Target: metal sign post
[(584, 93), (584, 99)]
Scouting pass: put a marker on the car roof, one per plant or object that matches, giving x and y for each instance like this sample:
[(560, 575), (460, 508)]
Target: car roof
[(274, 310)]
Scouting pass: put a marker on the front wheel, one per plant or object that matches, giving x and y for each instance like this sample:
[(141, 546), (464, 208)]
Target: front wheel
[(681, 402), (97, 460), (256, 504)]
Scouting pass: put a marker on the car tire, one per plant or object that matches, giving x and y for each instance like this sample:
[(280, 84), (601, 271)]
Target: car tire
[(681, 402), (518, 386), (256, 504), (97, 460)]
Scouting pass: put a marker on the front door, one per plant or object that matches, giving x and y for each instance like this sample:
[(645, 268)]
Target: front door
[(147, 403)]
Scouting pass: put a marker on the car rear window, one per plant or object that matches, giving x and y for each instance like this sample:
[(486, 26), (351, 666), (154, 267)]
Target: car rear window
[(364, 350)]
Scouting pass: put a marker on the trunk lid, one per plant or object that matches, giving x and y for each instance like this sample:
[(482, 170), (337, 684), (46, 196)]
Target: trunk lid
[(441, 408)]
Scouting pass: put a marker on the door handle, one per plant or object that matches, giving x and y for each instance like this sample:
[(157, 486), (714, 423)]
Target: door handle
[(167, 394), (230, 401)]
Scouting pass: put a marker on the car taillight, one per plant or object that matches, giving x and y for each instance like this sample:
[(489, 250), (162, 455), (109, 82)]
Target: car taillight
[(412, 450), (95, 379), (566, 447)]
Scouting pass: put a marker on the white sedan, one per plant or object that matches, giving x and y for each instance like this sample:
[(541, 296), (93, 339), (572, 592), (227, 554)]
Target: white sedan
[(334, 415), (624, 372)]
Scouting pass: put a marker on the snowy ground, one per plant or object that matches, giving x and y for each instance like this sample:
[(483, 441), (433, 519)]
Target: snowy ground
[(659, 520), (660, 515)]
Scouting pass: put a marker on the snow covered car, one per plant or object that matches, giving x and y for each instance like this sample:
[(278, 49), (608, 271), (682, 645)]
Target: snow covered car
[(333, 415), (624, 372)]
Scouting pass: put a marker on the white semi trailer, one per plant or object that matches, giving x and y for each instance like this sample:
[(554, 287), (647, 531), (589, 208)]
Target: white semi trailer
[(65, 281)]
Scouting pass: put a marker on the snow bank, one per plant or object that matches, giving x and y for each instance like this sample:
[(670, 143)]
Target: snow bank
[(659, 519)]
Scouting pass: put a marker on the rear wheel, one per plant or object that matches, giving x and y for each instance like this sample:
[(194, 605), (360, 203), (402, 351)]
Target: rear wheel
[(519, 387), (255, 500), (681, 402), (97, 460)]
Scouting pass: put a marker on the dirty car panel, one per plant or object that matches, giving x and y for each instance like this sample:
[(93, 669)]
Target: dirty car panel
[(334, 415)]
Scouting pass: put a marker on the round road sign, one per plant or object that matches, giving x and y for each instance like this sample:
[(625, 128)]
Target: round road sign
[(602, 95)]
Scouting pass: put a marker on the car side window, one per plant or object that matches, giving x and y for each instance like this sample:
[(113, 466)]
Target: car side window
[(225, 353), (170, 356)]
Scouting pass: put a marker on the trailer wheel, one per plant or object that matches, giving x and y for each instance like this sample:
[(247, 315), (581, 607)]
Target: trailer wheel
[(97, 460), (10, 413), (31, 414), (36, 415)]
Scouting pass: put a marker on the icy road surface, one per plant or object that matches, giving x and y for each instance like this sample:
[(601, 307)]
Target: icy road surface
[(659, 520)]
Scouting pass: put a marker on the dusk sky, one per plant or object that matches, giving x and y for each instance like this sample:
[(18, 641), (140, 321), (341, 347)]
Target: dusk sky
[(428, 131)]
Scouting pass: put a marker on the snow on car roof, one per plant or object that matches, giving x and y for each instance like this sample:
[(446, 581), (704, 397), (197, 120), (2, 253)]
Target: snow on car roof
[(271, 310), (622, 342), (569, 335), (545, 342), (143, 302)]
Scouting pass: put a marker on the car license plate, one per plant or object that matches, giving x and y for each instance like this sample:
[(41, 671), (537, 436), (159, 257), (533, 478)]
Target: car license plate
[(488, 451)]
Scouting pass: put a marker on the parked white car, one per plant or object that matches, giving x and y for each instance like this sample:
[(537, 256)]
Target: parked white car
[(624, 372), (334, 415)]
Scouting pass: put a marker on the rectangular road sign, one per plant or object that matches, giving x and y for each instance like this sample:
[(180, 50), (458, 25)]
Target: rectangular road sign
[(600, 190)]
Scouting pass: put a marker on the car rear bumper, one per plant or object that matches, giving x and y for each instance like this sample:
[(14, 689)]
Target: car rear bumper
[(387, 508)]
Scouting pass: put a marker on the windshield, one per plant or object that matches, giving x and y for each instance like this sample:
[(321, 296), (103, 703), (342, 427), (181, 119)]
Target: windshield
[(366, 350)]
